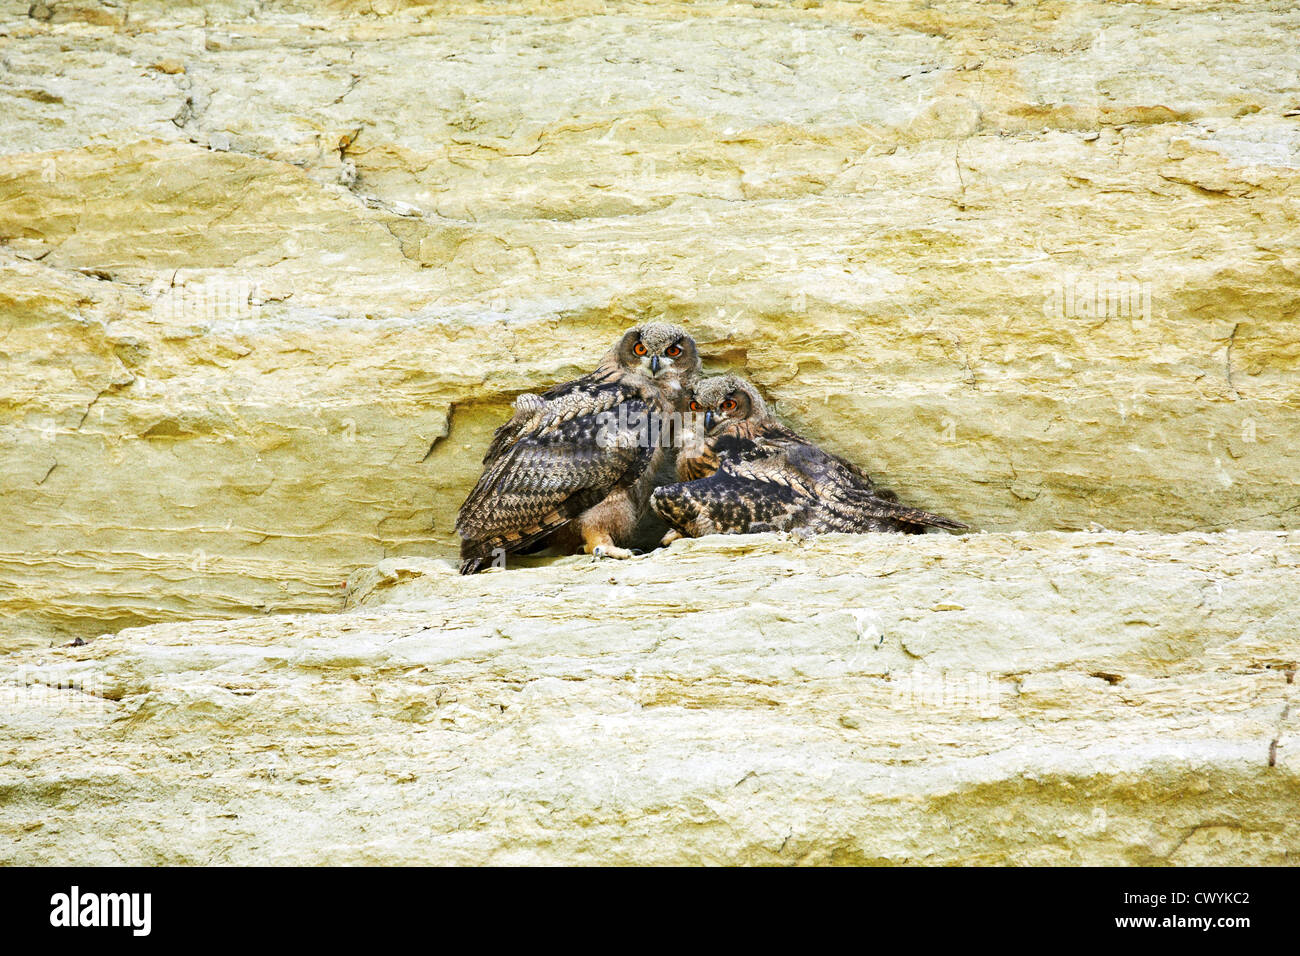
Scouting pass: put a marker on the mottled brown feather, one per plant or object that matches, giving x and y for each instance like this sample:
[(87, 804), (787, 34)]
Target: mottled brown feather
[(767, 477)]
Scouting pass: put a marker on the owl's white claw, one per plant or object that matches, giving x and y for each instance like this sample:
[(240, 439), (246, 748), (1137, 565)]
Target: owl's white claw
[(610, 551)]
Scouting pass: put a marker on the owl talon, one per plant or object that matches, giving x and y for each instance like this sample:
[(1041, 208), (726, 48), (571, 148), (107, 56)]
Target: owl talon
[(669, 538)]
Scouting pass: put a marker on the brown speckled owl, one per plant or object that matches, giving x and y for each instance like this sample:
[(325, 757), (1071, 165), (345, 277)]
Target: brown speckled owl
[(741, 472), (575, 465)]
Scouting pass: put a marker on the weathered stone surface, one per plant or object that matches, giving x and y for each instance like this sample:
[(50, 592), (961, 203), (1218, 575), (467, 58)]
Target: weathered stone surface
[(268, 277), (270, 274), (1038, 698)]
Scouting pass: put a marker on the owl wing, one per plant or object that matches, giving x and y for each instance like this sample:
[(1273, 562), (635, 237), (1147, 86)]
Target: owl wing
[(559, 454), (533, 413), (830, 492), (731, 500)]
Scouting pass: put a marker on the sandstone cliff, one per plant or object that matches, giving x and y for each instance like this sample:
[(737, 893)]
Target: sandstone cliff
[(270, 274), (270, 279)]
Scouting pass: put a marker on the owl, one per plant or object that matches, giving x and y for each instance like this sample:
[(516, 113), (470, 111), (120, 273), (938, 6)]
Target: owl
[(574, 466), (741, 471)]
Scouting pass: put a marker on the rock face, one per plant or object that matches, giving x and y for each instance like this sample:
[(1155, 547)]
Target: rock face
[(270, 278), (271, 273), (1040, 698)]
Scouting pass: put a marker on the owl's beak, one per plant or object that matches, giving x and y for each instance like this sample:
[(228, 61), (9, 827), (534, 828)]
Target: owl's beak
[(654, 365), (708, 419)]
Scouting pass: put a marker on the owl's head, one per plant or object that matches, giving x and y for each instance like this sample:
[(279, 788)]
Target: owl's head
[(662, 353), (724, 400)]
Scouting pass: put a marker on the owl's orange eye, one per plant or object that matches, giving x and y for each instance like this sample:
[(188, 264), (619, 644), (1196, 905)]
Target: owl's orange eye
[(673, 351), (695, 406), (729, 405), (639, 348)]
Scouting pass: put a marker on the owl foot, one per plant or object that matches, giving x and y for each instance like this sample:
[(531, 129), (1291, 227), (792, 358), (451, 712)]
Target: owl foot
[(611, 551), (799, 535), (670, 537)]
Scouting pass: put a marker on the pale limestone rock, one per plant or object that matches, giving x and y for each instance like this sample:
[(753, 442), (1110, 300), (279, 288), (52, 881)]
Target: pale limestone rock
[(1036, 698), (270, 279), (270, 274)]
